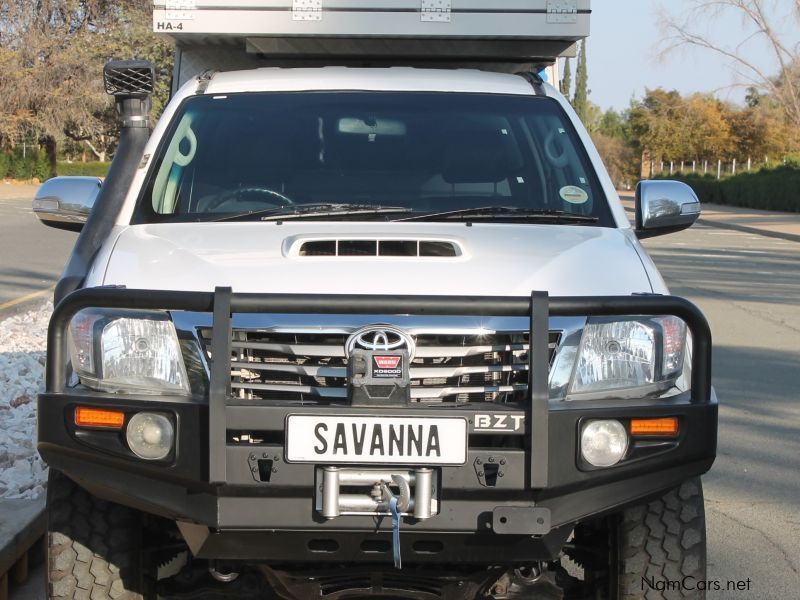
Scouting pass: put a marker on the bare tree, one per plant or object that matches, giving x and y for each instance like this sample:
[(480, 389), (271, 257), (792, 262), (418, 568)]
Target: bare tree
[(51, 58), (760, 19)]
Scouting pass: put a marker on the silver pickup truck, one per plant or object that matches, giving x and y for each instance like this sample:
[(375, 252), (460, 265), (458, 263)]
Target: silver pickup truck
[(368, 332)]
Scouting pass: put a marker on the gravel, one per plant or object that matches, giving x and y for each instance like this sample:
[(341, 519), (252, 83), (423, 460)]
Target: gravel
[(23, 340)]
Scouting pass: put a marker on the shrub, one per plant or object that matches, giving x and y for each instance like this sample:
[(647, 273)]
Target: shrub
[(89, 169), (41, 167), (767, 189), (5, 164), (21, 165), (774, 189), (33, 163)]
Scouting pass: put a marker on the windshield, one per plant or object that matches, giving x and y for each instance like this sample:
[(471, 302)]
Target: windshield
[(324, 155)]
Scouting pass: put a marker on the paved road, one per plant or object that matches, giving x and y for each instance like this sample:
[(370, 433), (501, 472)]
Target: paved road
[(32, 256), (748, 286)]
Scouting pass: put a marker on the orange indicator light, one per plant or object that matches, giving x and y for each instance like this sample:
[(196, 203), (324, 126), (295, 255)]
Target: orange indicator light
[(667, 426), (95, 417)]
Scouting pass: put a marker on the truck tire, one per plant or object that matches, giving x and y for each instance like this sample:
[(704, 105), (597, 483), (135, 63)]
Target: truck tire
[(650, 551), (93, 546), (664, 541)]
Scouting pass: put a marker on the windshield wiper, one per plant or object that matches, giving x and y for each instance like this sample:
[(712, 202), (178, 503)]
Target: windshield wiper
[(504, 212), (319, 209)]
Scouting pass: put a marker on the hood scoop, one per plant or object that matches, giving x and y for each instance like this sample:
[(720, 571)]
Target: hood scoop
[(381, 248)]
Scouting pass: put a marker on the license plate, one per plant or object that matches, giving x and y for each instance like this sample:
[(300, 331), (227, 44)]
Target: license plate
[(381, 440)]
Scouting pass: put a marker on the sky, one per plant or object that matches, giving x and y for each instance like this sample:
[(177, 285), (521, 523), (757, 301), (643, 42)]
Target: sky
[(624, 43)]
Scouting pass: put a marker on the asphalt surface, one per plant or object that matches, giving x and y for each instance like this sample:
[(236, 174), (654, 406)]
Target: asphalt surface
[(32, 256), (748, 285)]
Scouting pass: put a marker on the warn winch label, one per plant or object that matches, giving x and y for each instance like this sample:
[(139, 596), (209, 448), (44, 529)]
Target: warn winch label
[(387, 366)]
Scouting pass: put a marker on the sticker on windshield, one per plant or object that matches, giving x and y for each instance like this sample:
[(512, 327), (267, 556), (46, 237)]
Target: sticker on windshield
[(573, 194)]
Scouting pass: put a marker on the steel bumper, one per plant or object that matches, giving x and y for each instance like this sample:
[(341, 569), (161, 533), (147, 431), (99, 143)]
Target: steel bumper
[(228, 508)]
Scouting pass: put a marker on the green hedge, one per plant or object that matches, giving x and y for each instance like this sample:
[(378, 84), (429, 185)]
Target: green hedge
[(767, 189), (92, 169), (5, 164), (24, 166)]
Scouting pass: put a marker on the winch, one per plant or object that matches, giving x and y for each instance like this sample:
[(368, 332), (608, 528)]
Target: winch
[(354, 491)]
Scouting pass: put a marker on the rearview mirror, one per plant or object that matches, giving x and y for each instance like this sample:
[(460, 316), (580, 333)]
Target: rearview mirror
[(372, 126), (65, 202), (664, 207)]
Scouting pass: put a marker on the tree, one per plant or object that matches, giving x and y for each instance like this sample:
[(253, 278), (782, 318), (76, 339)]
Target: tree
[(656, 124), (753, 97), (51, 58), (762, 131), (592, 116), (566, 82), (580, 100), (669, 127), (708, 129), (611, 124), (620, 159), (760, 19)]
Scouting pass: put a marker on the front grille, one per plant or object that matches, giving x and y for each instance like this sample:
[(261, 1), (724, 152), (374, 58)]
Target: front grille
[(311, 368)]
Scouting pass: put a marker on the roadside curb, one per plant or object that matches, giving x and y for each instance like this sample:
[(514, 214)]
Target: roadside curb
[(25, 303), (20, 532)]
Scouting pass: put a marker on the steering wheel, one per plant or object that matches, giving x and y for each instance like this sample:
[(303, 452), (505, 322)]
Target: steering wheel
[(258, 194)]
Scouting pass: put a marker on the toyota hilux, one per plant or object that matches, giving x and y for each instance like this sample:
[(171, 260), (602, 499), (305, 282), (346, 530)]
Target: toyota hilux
[(369, 332)]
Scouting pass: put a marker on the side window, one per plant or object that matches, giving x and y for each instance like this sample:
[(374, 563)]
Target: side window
[(179, 155)]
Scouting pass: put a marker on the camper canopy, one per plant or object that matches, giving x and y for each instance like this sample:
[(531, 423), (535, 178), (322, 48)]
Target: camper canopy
[(499, 35)]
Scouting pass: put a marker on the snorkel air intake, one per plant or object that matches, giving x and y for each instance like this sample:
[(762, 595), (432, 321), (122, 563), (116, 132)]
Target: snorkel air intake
[(131, 83)]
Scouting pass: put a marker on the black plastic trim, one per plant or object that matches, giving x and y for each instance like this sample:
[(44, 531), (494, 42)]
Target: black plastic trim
[(538, 371), (220, 384)]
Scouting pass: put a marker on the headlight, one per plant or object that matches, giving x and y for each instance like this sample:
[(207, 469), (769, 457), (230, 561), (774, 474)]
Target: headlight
[(616, 355), (127, 351)]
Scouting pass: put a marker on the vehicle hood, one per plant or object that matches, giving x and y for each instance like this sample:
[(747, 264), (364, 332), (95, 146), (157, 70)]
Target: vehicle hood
[(494, 259)]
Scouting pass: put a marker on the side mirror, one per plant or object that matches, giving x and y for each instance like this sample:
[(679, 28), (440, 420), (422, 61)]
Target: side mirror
[(664, 207), (65, 202)]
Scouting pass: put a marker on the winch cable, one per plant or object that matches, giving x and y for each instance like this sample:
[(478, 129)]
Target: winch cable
[(398, 560)]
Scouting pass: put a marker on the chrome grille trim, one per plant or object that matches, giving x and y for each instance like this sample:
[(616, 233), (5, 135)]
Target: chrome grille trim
[(307, 364), (338, 351), (341, 372), (293, 349)]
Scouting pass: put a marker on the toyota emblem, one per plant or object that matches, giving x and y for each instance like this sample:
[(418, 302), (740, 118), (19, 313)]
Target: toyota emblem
[(380, 337)]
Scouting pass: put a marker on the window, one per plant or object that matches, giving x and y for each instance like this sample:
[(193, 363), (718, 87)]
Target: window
[(424, 152)]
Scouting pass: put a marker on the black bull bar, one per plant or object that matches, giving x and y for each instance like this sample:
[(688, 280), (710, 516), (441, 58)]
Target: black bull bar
[(538, 308)]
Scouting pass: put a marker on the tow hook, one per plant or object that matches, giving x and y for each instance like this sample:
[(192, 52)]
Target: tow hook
[(403, 500)]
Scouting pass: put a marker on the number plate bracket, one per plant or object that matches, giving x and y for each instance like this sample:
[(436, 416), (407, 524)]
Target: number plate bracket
[(521, 520)]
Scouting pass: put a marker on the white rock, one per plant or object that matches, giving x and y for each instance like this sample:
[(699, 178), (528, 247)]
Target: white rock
[(23, 341)]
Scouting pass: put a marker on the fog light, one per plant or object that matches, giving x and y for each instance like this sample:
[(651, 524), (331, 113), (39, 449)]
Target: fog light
[(603, 443), (150, 435)]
